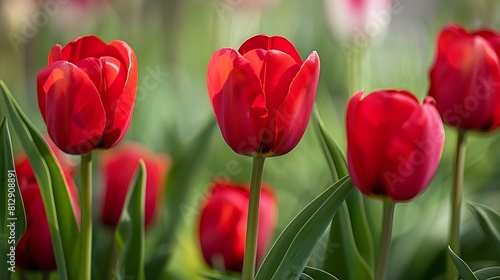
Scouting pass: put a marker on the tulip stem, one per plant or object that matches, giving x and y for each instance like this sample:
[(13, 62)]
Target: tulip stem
[(86, 217), (385, 240), (253, 219), (456, 204)]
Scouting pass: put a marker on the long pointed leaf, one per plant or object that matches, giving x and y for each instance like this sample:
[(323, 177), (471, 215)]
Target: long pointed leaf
[(318, 274), (291, 251), (12, 218), (53, 187), (350, 226), (463, 269), (488, 273), (129, 234), (489, 220)]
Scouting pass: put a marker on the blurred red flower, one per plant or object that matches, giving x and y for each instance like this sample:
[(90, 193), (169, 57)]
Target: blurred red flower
[(262, 95), (119, 166), (394, 144), (465, 78), (34, 250), (86, 93), (223, 224)]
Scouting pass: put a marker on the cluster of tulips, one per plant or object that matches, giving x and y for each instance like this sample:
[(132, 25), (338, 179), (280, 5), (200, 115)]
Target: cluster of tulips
[(262, 95)]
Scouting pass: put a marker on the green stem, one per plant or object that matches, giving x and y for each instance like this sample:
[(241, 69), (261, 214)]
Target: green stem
[(253, 219), (46, 275), (86, 217), (385, 240), (456, 204), (358, 69)]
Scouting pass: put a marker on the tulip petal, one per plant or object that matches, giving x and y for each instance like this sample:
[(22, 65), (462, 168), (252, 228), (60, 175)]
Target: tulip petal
[(55, 54), (415, 150), (237, 99), (78, 49), (492, 37), (120, 93), (293, 114), (466, 83), (449, 33), (71, 107), (270, 43), (369, 134)]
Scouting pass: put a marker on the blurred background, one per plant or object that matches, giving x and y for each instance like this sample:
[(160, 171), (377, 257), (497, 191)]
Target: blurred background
[(174, 39)]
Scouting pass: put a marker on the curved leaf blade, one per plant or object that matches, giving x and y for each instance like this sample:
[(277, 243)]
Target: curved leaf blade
[(463, 269), (489, 220), (53, 187), (318, 274), (488, 273), (129, 234), (289, 254), (12, 217)]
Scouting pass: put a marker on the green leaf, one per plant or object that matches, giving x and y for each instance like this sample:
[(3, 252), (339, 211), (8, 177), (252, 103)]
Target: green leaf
[(488, 273), (185, 163), (53, 187), (333, 154), (350, 226), (304, 276), (12, 218), (289, 254), (463, 269), (318, 274), (129, 234), (489, 220)]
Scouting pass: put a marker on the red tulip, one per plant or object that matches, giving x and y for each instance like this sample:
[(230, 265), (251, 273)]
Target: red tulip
[(394, 144), (34, 250), (86, 94), (119, 167), (465, 78), (223, 224), (262, 95)]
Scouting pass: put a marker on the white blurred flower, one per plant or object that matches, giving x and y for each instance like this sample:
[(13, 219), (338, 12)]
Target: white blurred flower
[(349, 19)]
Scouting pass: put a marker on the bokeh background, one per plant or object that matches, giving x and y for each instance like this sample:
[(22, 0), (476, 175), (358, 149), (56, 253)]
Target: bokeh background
[(174, 39)]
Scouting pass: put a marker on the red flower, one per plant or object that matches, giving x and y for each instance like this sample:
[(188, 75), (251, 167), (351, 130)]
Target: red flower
[(262, 95), (86, 94), (34, 250), (119, 167), (223, 224), (394, 144), (465, 78)]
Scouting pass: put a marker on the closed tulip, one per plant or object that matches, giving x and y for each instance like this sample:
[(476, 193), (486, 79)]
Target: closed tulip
[(262, 95), (86, 93), (223, 222), (465, 78), (119, 166), (394, 144), (34, 250)]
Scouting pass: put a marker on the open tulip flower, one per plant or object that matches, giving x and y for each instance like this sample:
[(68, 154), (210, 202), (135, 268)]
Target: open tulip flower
[(262, 95), (34, 250), (223, 223), (394, 144), (119, 166), (86, 93), (465, 78)]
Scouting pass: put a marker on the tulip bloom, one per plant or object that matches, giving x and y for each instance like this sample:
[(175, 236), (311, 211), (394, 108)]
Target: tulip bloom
[(350, 19), (465, 78), (86, 94), (223, 223), (394, 144), (119, 166), (262, 95), (34, 250)]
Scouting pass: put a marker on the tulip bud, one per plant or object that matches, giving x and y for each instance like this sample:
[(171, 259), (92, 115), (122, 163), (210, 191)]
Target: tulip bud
[(262, 95), (223, 224), (394, 144), (34, 250), (465, 78), (119, 166), (86, 94)]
